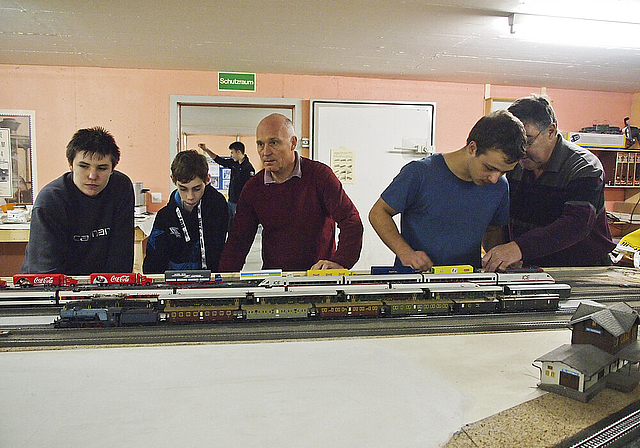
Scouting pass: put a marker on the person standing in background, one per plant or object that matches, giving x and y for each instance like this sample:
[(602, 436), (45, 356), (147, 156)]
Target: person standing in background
[(241, 172)]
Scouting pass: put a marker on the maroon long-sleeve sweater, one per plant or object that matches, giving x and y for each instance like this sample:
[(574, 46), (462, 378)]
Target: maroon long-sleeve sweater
[(298, 217)]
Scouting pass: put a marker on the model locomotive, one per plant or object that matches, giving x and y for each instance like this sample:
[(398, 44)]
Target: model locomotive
[(126, 299)]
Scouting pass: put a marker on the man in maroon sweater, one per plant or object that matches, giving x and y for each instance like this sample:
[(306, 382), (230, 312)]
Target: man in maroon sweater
[(298, 202)]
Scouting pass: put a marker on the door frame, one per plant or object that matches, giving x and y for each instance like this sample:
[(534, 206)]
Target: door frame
[(177, 101)]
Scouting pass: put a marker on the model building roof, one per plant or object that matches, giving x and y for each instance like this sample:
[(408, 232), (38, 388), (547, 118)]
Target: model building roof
[(584, 358), (631, 352), (616, 319)]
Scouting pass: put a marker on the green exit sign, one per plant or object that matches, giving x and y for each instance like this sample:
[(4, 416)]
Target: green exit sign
[(237, 81)]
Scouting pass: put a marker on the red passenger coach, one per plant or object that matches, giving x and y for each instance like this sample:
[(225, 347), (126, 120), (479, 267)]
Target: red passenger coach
[(127, 278), (43, 280)]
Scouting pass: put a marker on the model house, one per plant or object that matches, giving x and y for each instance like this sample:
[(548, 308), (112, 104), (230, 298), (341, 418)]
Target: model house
[(604, 352)]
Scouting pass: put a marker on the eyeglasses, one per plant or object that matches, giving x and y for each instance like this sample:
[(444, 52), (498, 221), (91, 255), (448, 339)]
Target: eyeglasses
[(531, 141)]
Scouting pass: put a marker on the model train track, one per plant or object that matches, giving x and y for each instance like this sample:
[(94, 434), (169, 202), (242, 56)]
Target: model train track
[(606, 295), (25, 333), (26, 312), (35, 337), (43, 336), (613, 434)]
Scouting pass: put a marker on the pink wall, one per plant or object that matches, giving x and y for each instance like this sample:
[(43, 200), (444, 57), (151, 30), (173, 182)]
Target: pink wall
[(134, 106)]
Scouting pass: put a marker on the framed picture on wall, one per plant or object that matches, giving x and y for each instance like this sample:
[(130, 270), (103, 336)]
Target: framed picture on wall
[(17, 162)]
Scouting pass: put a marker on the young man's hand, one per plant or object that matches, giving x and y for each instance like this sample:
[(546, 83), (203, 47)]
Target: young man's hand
[(417, 260)]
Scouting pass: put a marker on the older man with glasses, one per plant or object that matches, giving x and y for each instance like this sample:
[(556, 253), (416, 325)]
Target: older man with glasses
[(557, 215)]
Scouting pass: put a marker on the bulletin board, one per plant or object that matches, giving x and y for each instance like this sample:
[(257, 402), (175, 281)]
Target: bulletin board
[(366, 143)]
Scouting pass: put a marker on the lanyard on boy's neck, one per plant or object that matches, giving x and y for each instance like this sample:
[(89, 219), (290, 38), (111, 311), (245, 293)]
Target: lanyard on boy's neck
[(187, 238)]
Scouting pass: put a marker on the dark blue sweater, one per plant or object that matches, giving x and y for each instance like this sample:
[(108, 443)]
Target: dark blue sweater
[(72, 233)]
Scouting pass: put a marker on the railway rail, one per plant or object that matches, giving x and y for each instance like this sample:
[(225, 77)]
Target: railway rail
[(34, 336), (620, 430), (26, 334), (22, 321)]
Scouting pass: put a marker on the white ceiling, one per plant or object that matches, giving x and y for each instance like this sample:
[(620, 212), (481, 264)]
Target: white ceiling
[(445, 40)]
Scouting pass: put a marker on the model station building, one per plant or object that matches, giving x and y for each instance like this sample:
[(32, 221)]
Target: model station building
[(604, 352)]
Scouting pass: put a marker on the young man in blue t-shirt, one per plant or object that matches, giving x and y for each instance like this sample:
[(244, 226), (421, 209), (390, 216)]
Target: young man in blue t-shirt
[(450, 204)]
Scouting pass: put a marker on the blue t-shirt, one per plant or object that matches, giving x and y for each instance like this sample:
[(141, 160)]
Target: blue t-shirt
[(443, 215)]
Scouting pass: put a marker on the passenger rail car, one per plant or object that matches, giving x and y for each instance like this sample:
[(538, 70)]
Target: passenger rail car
[(561, 289), (533, 297), (111, 297), (200, 276), (205, 304), (504, 278), (18, 298), (465, 298), (302, 281), (388, 279)]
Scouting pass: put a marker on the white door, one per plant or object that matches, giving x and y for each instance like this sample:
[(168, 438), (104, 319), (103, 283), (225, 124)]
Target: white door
[(370, 143)]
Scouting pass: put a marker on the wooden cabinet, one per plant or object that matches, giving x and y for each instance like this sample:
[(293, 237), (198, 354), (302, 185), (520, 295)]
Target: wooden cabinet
[(622, 191), (621, 166)]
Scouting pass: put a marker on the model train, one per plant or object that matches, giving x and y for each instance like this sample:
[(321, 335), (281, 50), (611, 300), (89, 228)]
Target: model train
[(127, 299)]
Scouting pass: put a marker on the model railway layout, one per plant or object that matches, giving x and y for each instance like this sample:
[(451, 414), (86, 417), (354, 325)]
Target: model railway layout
[(113, 300)]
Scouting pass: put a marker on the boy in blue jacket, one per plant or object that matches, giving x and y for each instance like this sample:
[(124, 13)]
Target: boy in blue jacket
[(190, 231)]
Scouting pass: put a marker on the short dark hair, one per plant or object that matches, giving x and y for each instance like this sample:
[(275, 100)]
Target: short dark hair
[(238, 146), (534, 109), (96, 140), (499, 130), (187, 165)]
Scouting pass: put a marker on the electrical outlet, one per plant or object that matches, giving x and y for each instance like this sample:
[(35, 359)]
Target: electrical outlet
[(156, 198)]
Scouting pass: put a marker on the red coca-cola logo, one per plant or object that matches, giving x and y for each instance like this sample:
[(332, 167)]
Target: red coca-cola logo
[(43, 280), (125, 278)]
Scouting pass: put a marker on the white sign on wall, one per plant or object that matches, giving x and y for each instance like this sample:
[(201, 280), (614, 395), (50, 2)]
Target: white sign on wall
[(343, 163)]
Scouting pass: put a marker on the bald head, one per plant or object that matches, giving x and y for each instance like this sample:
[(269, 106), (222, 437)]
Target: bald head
[(276, 142), (278, 121)]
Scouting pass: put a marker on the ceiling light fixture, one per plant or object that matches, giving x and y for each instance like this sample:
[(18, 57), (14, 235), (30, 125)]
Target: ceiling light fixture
[(574, 31)]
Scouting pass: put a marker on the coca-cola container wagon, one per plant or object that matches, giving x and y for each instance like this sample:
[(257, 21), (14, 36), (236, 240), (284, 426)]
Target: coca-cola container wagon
[(126, 278), (43, 280)]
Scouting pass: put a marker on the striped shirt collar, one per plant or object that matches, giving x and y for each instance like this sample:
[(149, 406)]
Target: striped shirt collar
[(297, 172)]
